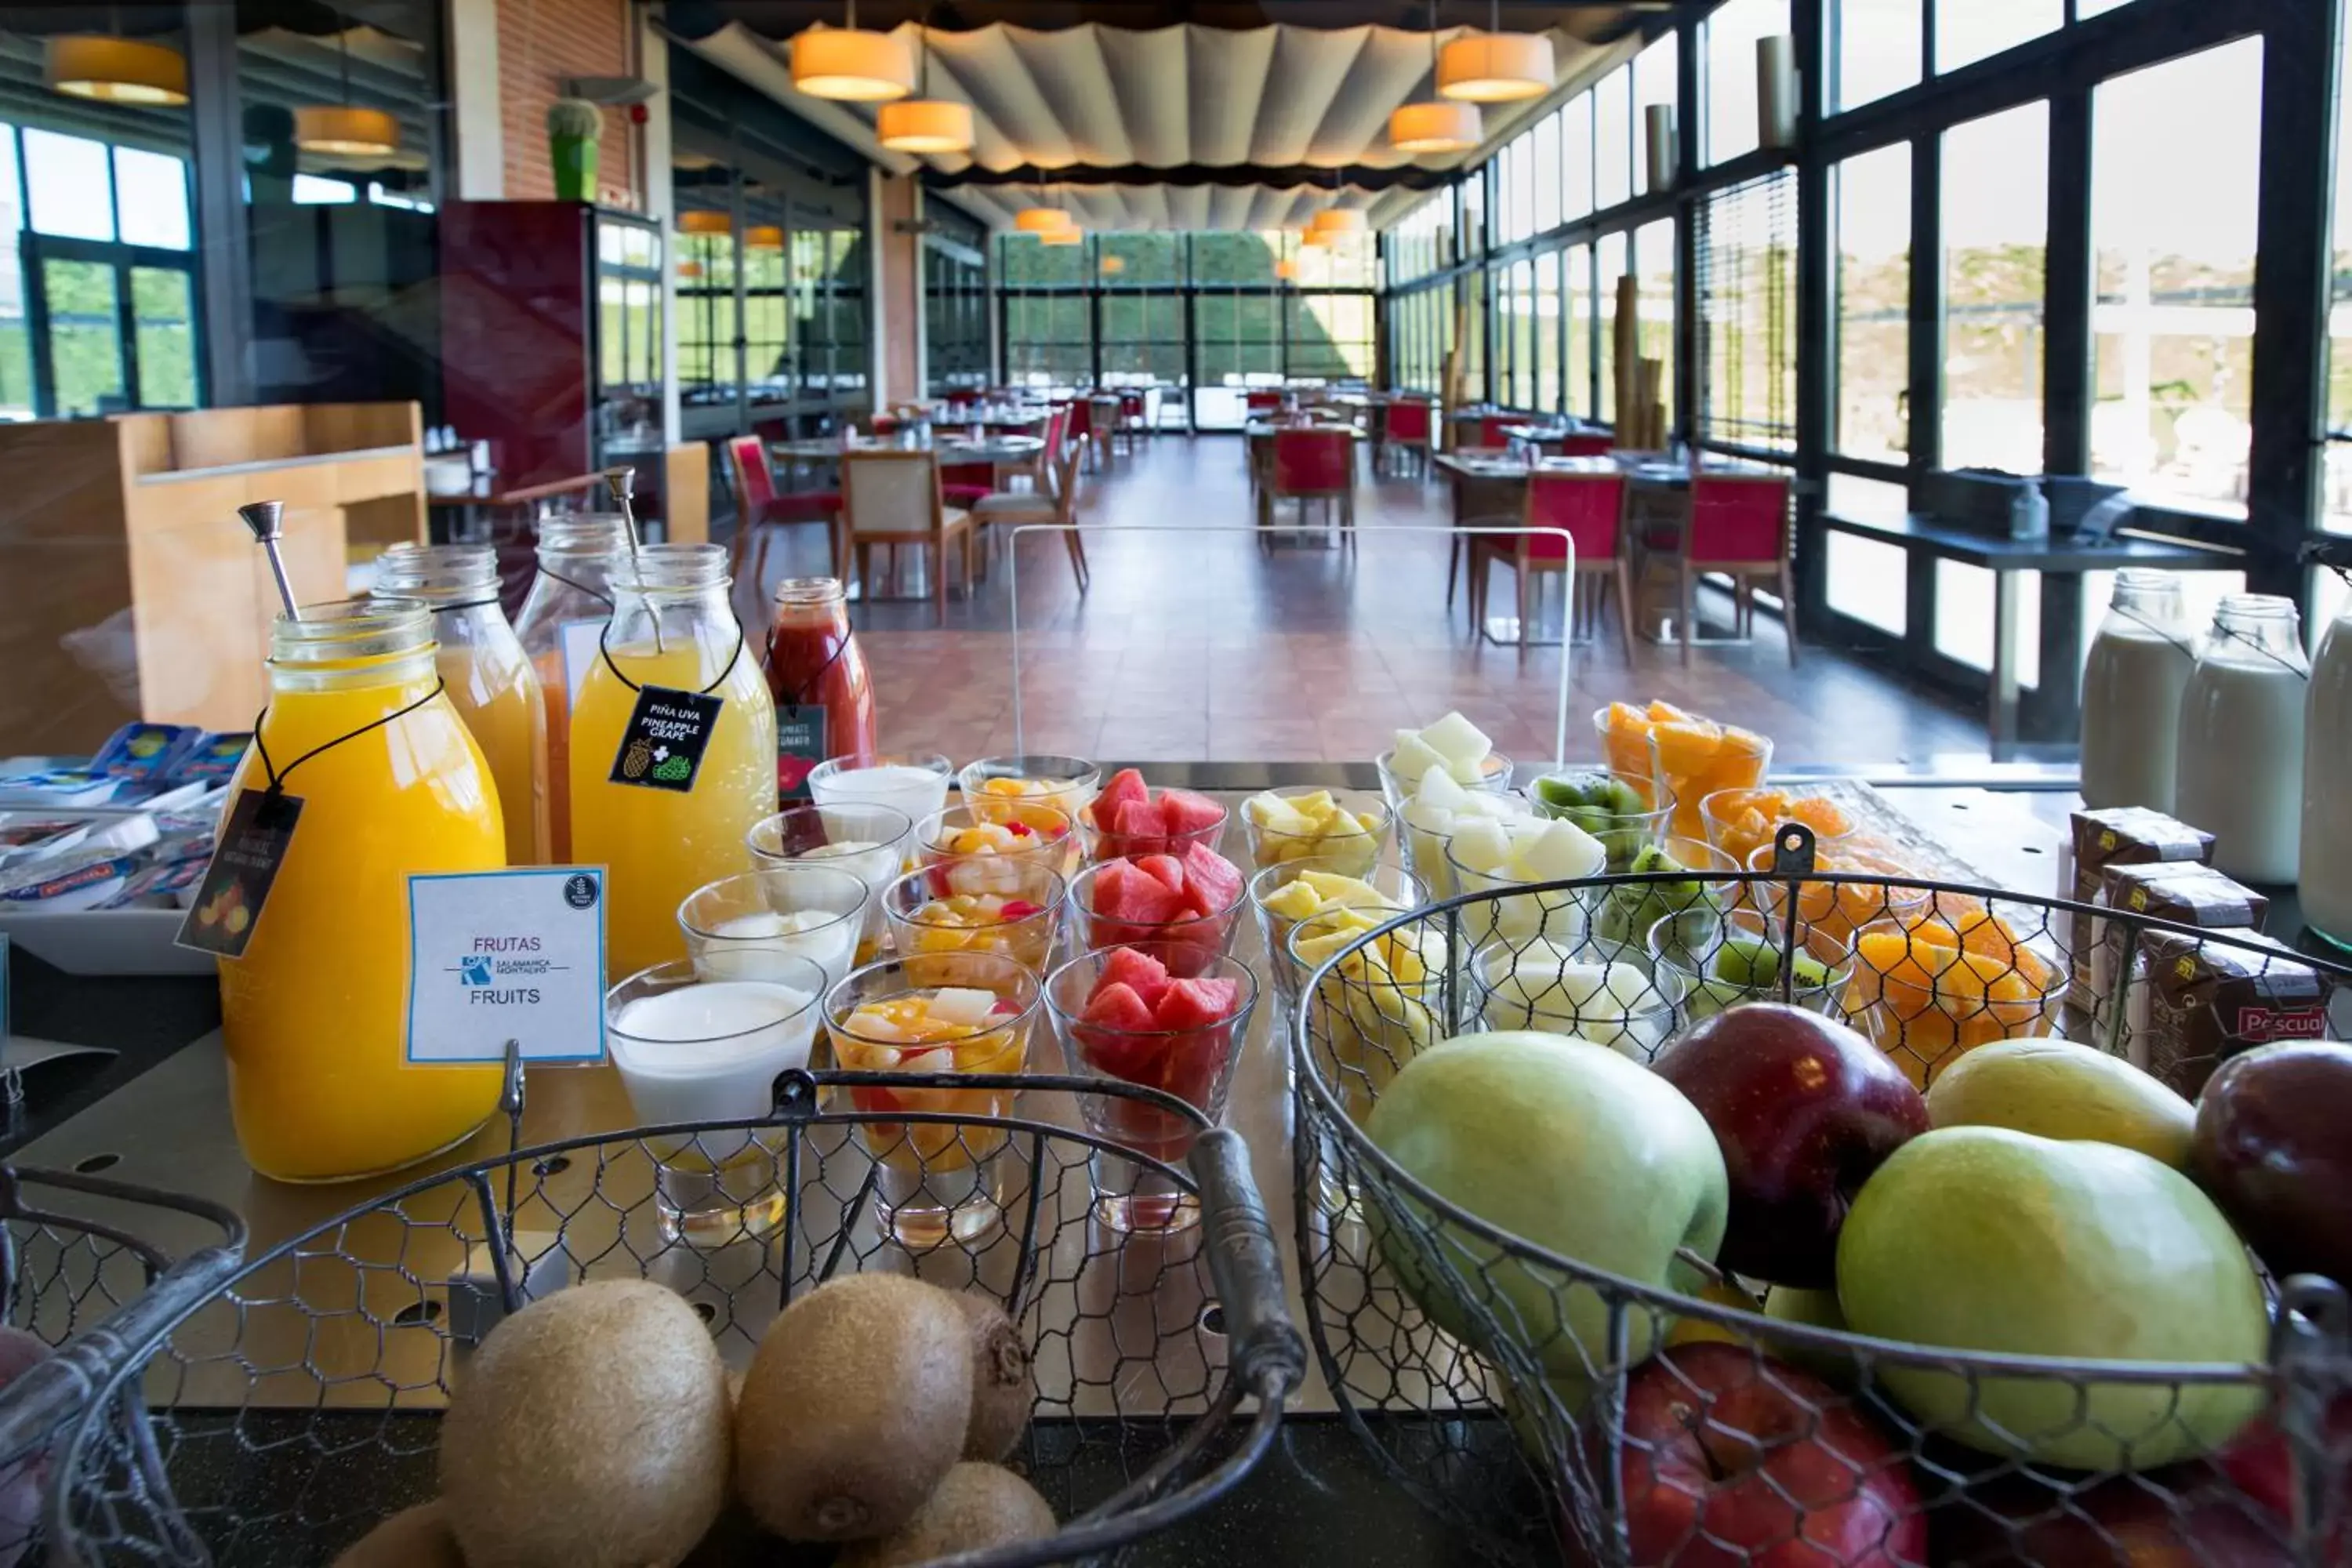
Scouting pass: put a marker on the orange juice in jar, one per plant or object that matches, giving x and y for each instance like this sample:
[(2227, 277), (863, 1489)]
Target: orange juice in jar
[(313, 1012), (938, 1177), (489, 677), (568, 606), (671, 627)]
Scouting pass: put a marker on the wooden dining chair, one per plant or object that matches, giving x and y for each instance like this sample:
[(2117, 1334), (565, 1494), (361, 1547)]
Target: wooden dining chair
[(1409, 428), (1592, 508), (892, 498), (1312, 463), (1102, 423), (1057, 502), (758, 508), (1739, 527)]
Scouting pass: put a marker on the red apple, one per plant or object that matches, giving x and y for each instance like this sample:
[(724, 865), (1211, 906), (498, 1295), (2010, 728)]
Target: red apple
[(2273, 1147), (2259, 1464), (1805, 1110), (2182, 1516), (1735, 1460)]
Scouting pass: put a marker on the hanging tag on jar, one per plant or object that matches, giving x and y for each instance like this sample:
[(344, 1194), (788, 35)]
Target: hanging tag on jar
[(800, 746), (662, 746), (251, 847)]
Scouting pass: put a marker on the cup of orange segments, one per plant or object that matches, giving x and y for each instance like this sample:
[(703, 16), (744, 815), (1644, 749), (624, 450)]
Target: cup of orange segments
[(1691, 756), (1741, 821), (1930, 990)]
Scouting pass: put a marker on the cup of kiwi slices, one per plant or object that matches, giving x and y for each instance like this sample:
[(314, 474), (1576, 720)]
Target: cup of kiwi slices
[(1727, 957), (1627, 813)]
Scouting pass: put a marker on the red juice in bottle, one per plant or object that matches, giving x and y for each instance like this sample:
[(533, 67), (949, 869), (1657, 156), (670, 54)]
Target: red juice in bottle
[(825, 703)]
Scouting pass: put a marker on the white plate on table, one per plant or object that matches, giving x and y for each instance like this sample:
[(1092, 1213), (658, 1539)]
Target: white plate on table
[(106, 942)]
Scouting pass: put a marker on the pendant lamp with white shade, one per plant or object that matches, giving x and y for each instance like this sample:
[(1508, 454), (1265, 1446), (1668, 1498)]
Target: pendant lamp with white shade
[(1042, 220), (1073, 234), (1333, 221), (851, 64), (115, 70), (1441, 125), (924, 124), (345, 129), (1495, 67)]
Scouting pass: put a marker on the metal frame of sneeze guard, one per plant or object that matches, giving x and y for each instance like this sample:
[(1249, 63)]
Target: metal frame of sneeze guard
[(1443, 530)]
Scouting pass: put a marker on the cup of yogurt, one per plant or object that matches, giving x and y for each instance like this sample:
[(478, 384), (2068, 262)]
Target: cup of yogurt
[(917, 785), (869, 842), (692, 1050), (749, 926)]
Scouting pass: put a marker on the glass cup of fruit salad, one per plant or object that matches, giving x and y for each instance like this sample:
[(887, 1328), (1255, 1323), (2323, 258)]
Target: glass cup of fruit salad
[(1068, 782), (933, 922), (1119, 1013), (983, 838), (691, 1049), (742, 927), (1728, 956), (1186, 908), (1128, 819), (1296, 891), (1349, 826), (1608, 993), (1627, 812), (950, 1046)]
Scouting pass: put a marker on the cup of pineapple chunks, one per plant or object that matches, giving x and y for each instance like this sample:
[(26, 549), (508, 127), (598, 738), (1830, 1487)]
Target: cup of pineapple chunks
[(1347, 829)]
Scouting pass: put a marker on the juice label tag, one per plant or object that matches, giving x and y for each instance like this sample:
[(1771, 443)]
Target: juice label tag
[(661, 748), (251, 847), (800, 746)]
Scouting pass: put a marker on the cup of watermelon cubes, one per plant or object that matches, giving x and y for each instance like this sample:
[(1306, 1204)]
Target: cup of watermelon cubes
[(1184, 907), (979, 839), (1127, 820), (933, 921), (967, 1015), (1122, 1013)]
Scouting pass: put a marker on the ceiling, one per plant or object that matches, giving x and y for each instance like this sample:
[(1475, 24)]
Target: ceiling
[(1191, 125)]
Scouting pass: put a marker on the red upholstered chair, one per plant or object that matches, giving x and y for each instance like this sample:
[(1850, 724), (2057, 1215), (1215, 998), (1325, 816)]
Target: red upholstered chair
[(1264, 400), (1592, 508), (1408, 428), (1586, 446), (758, 507), (1081, 420), (1493, 429), (1134, 423), (884, 425), (1739, 527), (1312, 464), (962, 484)]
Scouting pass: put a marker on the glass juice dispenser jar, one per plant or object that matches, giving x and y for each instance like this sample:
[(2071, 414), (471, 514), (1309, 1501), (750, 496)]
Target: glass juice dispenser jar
[(561, 619), (672, 627), (390, 782), (489, 676)]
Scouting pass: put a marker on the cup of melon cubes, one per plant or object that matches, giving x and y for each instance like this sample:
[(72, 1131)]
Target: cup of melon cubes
[(1930, 989), (1122, 1014), (1690, 755)]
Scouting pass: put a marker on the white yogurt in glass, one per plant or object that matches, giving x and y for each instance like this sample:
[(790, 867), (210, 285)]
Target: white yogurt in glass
[(918, 791), (710, 1052), (752, 946)]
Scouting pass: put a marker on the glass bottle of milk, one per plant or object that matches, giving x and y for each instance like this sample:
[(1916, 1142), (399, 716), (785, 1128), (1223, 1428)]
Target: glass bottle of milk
[(2325, 887), (2240, 770), (2139, 666)]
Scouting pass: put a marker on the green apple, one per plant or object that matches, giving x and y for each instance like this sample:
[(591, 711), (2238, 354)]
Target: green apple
[(1563, 1143), (1980, 1239), (1811, 1309), (2055, 1089)]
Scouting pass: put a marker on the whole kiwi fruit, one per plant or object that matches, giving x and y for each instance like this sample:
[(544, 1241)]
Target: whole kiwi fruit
[(976, 1506), (854, 1407), (414, 1538), (590, 1431), (1001, 1392)]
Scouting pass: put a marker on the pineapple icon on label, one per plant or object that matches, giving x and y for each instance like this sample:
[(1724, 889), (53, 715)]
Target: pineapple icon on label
[(637, 758)]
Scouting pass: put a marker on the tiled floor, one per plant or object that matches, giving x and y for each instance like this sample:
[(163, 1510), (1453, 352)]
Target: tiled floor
[(1195, 643)]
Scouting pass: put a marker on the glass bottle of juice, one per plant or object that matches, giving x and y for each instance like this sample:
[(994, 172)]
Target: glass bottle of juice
[(825, 703), (567, 606), (672, 627), (313, 1012), (489, 678)]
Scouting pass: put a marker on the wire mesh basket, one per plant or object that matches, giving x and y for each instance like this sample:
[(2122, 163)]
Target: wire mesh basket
[(75, 1251), (1643, 1402), (287, 1413)]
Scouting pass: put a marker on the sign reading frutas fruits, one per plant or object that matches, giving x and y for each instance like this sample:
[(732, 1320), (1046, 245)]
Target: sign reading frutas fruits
[(252, 845), (662, 746), (499, 958)]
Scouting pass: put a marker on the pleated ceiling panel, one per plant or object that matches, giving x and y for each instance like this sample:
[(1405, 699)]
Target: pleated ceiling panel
[(1093, 96)]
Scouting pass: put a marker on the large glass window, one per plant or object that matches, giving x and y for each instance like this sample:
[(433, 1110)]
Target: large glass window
[(1577, 265), (1746, 291), (1874, 304), (1968, 32), (1575, 158), (1547, 173), (1731, 37), (2173, 233), (1655, 81), (1547, 326), (1612, 139), (1653, 253), (1996, 222), (1330, 336), (1878, 49), (1612, 268)]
